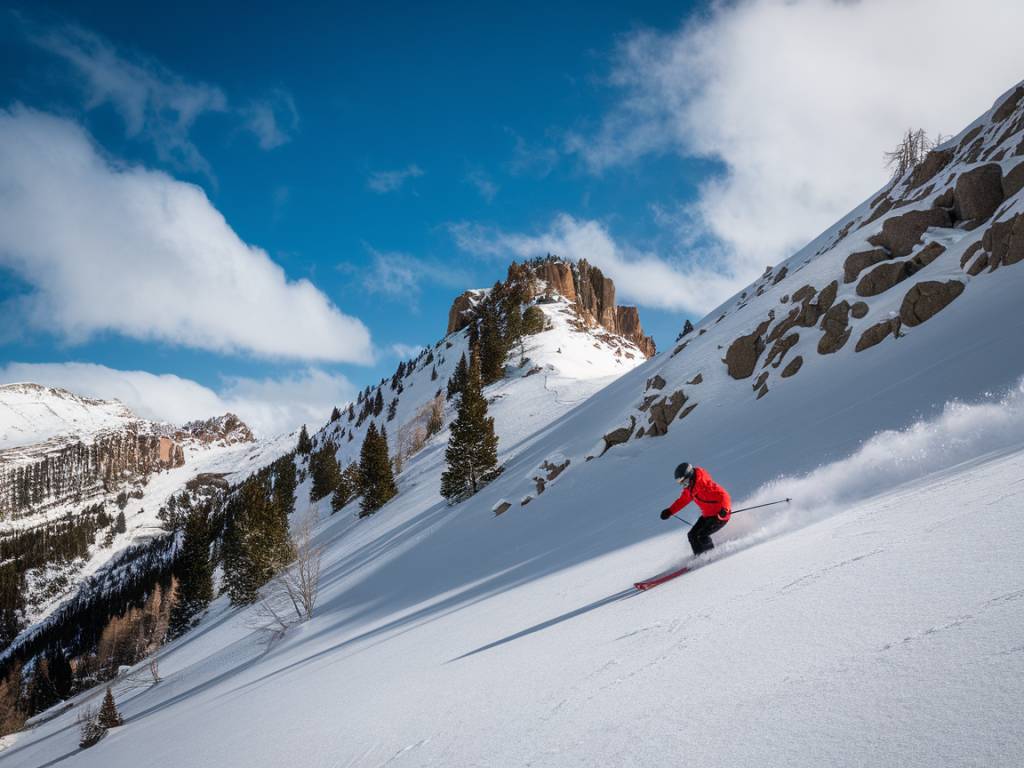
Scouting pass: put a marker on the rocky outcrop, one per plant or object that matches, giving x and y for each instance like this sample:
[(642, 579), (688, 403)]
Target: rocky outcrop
[(901, 233), (1004, 240), (933, 162), (883, 277), (742, 355), (582, 284), (620, 435), (878, 333), (1006, 109), (462, 311), (792, 367), (978, 192), (1013, 182), (926, 299), (858, 262), (664, 411), (627, 324), (835, 323), (222, 430)]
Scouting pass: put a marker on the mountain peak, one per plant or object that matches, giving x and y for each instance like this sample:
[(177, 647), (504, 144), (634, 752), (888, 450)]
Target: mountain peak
[(584, 286)]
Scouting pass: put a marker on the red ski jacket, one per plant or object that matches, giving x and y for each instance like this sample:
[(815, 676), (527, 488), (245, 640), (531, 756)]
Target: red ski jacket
[(709, 495)]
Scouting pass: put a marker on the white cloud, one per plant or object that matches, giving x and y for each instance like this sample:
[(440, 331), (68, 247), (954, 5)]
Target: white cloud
[(383, 182), (483, 184), (799, 99), (156, 103), (138, 253), (272, 120), (406, 351), (639, 276), (400, 276), (268, 406)]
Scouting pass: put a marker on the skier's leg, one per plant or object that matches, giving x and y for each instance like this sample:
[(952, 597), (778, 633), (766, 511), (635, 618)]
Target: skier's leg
[(700, 534), (699, 540)]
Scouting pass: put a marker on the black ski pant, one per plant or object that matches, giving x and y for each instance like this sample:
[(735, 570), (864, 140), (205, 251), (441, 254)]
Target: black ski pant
[(700, 533)]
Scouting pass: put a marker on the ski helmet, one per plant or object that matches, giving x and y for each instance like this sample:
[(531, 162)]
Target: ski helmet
[(684, 473)]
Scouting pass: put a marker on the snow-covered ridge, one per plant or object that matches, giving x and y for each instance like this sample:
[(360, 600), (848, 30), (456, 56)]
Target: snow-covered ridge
[(31, 414)]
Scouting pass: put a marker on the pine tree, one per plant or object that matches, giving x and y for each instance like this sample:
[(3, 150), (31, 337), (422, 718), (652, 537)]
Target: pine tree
[(120, 524), (378, 403), (457, 381), (323, 468), (348, 486), (61, 675), (195, 574), (376, 479), (285, 482), (472, 453), (305, 444), (351, 412), (41, 694), (256, 542), (109, 717), (493, 349), (392, 409), (335, 414)]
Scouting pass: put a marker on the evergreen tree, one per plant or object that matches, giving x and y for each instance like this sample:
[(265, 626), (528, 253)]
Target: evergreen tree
[(493, 349), (61, 675), (472, 453), (348, 486), (533, 320), (335, 414), (376, 479), (41, 694), (120, 524), (457, 381), (378, 403), (392, 409), (351, 412), (305, 444), (195, 573), (256, 542), (109, 717), (324, 469), (285, 482)]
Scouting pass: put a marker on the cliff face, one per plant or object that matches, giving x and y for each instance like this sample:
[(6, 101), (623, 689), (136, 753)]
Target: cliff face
[(583, 284)]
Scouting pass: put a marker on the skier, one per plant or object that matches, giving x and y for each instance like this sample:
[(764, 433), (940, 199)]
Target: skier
[(713, 500)]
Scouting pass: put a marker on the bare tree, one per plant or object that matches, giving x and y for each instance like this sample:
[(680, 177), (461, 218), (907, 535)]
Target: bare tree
[(290, 597), (910, 151)]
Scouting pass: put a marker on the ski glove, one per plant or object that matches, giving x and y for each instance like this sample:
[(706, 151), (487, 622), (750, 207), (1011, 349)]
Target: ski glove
[(666, 513), (723, 514)]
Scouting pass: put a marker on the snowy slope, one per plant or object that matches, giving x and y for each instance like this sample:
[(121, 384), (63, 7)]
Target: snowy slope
[(31, 414), (876, 621), (882, 635)]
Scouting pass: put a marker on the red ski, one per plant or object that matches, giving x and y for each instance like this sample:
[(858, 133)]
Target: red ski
[(642, 585)]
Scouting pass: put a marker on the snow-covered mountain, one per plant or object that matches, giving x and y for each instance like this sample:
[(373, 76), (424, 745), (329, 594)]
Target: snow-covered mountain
[(873, 377), (72, 464)]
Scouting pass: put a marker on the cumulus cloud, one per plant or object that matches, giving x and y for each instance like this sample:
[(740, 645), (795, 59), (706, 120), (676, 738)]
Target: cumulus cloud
[(132, 251), (639, 276), (383, 182), (269, 406), (156, 103), (798, 99)]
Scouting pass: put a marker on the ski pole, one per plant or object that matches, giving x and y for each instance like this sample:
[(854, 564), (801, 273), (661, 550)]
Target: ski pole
[(742, 509), (758, 506)]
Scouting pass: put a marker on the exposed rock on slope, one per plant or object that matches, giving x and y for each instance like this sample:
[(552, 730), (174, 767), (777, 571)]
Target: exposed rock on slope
[(583, 285)]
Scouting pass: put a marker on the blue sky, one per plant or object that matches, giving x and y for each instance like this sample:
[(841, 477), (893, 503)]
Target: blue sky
[(393, 156)]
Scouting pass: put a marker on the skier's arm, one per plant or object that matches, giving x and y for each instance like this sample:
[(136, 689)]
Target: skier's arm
[(682, 501)]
